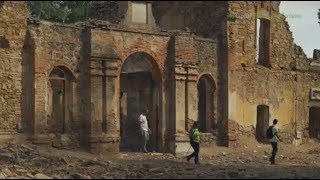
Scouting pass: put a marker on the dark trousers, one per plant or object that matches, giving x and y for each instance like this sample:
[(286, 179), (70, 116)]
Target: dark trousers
[(274, 151), (195, 154)]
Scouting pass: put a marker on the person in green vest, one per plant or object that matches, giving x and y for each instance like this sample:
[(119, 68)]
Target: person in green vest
[(194, 135)]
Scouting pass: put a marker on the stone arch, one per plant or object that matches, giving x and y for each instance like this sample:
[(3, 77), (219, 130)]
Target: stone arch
[(209, 77), (140, 82), (66, 70), (152, 60), (207, 103), (59, 99)]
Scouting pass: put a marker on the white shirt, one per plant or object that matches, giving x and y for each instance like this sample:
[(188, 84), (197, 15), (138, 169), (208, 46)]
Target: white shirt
[(143, 122)]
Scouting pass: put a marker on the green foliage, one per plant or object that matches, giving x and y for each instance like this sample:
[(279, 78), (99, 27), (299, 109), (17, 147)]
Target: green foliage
[(60, 11), (79, 10)]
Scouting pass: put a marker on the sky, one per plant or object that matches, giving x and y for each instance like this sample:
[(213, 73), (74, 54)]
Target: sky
[(303, 20)]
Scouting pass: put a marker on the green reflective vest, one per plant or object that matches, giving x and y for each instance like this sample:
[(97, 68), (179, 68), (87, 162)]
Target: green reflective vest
[(195, 135)]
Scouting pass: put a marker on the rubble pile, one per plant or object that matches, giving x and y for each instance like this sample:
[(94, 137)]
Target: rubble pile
[(246, 161)]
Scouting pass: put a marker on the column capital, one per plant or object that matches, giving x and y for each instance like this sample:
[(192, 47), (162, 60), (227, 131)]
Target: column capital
[(104, 66)]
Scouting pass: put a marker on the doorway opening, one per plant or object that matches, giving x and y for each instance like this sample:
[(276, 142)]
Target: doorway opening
[(139, 89), (206, 89), (60, 98), (314, 122), (262, 123)]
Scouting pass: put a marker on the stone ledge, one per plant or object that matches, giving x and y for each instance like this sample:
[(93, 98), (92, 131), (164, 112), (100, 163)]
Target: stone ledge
[(7, 136)]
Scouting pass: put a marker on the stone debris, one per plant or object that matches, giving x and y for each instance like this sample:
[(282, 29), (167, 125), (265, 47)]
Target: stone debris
[(35, 163), (6, 171), (3, 176), (27, 147), (42, 176)]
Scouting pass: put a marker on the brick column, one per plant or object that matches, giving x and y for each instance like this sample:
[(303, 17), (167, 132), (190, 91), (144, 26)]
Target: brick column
[(185, 56), (111, 137), (186, 103), (180, 136), (96, 115), (192, 95), (105, 115), (40, 118)]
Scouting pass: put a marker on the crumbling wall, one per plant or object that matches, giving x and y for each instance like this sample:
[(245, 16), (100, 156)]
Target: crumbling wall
[(204, 18), (13, 27), (316, 55), (305, 82), (120, 13), (208, 66), (207, 20), (56, 45), (284, 86)]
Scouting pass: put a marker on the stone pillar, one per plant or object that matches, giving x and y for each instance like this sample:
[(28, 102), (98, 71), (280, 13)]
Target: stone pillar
[(192, 95), (105, 102), (112, 135), (184, 56), (186, 103), (180, 135), (40, 118), (96, 90)]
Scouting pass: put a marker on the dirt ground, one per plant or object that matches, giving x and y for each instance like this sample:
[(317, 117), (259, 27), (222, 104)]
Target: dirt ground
[(248, 159)]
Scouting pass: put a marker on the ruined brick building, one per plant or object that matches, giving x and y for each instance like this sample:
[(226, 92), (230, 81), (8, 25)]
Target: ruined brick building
[(232, 65)]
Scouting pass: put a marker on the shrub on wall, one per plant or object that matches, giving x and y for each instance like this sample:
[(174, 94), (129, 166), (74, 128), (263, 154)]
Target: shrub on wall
[(60, 11)]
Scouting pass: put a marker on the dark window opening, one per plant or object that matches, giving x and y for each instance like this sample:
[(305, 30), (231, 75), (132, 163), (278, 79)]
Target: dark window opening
[(262, 42), (4, 43)]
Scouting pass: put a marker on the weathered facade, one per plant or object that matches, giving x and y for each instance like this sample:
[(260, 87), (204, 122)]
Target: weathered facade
[(277, 84), (231, 65)]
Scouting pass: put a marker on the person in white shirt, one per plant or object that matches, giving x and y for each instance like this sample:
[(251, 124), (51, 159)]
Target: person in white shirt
[(144, 129)]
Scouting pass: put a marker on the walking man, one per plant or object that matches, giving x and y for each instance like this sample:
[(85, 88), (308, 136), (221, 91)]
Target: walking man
[(272, 134), (194, 135), (144, 129)]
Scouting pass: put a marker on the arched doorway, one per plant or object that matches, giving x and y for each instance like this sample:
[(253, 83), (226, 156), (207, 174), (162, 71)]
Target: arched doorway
[(262, 123), (314, 122), (206, 111), (59, 102), (140, 87)]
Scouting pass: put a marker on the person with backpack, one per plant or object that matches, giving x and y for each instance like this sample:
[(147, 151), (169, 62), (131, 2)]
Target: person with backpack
[(272, 135), (194, 135)]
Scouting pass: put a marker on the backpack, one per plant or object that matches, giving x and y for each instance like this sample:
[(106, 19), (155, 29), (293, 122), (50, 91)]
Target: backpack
[(269, 133), (191, 134)]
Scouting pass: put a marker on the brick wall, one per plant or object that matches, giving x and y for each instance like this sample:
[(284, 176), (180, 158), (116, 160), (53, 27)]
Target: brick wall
[(13, 28)]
